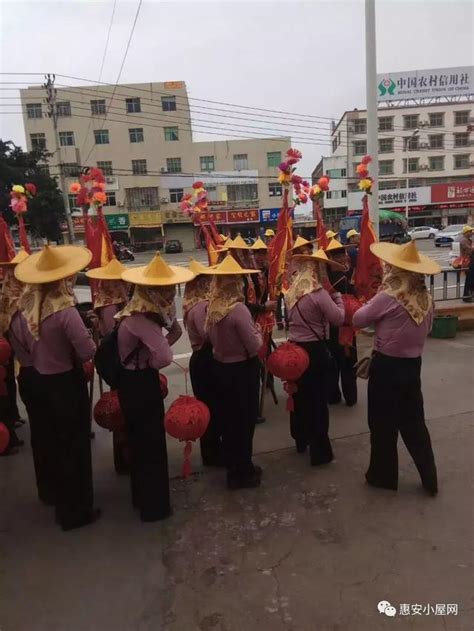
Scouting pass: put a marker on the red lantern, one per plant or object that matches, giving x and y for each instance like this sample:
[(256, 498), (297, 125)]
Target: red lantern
[(164, 385), (88, 368), (4, 438), (187, 419), (288, 362), (107, 412), (5, 351)]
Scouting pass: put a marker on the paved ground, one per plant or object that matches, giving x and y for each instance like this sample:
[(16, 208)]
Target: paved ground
[(314, 549)]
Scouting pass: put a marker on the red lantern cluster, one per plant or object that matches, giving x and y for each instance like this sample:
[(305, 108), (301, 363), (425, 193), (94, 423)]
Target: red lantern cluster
[(107, 412), (288, 362), (4, 438), (187, 419)]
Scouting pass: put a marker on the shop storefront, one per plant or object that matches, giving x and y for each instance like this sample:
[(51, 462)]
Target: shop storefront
[(146, 229), (118, 225), (231, 223)]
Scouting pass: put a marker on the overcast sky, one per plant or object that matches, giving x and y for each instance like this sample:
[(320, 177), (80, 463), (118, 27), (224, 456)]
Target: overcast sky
[(303, 57)]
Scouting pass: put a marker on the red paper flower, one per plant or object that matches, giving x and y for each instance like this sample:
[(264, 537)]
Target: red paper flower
[(186, 197), (75, 188), (284, 166), (96, 174), (303, 198), (323, 183), (361, 170), (198, 185), (18, 205), (296, 179), (31, 188), (366, 160), (294, 153), (291, 161)]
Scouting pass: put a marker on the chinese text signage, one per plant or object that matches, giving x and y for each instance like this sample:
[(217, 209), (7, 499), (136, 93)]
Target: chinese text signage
[(459, 192), (269, 214), (424, 84)]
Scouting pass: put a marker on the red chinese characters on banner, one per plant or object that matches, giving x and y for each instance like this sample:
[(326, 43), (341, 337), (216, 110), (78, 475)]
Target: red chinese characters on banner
[(242, 216), (456, 192), (218, 216)]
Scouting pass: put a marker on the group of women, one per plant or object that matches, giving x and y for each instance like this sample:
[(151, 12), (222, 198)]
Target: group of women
[(222, 304)]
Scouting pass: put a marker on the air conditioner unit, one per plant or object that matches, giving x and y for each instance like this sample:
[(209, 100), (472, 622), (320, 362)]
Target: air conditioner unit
[(164, 200), (163, 170), (471, 164), (424, 167), (424, 124), (424, 145), (120, 204), (471, 119)]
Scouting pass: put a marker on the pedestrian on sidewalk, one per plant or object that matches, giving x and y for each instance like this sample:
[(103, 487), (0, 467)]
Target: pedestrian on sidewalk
[(311, 309), (201, 364), (62, 343), (466, 251), (144, 351), (402, 313), (236, 341)]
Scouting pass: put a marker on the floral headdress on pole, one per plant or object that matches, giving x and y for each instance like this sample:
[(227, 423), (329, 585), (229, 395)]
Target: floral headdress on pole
[(90, 190), (316, 193), (365, 180), (192, 205), (20, 195)]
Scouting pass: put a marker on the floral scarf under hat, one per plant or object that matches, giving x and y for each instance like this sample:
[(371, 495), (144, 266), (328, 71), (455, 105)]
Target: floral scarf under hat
[(38, 302), (110, 292), (12, 290), (158, 300), (409, 289), (227, 292), (304, 281), (196, 291)]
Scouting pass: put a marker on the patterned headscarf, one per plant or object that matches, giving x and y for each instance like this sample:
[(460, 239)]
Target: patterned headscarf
[(12, 290), (38, 302), (196, 291), (304, 281), (227, 291), (408, 289), (110, 292), (158, 300)]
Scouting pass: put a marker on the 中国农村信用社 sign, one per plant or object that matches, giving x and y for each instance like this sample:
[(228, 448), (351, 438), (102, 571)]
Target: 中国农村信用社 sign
[(420, 84)]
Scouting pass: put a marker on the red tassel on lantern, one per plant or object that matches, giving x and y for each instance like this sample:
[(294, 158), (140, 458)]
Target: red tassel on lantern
[(288, 362), (107, 412), (88, 368), (4, 438), (187, 419), (164, 385)]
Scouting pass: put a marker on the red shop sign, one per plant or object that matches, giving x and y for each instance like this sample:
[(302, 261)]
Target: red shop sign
[(242, 216), (455, 192), (218, 216)]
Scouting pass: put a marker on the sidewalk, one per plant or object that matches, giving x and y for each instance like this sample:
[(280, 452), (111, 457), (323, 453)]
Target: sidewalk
[(314, 549)]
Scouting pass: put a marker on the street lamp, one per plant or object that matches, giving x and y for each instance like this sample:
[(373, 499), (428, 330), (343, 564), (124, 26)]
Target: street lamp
[(407, 142)]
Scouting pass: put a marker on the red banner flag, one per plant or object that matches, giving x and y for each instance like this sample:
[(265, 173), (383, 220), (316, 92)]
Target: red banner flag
[(7, 249), (368, 272)]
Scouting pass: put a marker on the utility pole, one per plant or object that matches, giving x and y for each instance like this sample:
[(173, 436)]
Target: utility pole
[(372, 121), (51, 94)]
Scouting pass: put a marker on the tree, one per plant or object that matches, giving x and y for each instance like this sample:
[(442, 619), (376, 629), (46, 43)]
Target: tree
[(46, 210)]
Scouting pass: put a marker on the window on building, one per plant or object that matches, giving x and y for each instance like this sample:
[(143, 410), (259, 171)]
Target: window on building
[(34, 110), (386, 145), (132, 105), (413, 165), (336, 194), (71, 169), (212, 193), (173, 165), (461, 161), (336, 172), (72, 203), (275, 189), (171, 133), (66, 138), (206, 163), (436, 163), (142, 197), (111, 198), (462, 118), (412, 144), (410, 121), (98, 107), (106, 166), (136, 134), (386, 123), (360, 147), (241, 161), (386, 167), (436, 141), (273, 158), (168, 103), (241, 192), (38, 141), (360, 126), (436, 119), (139, 167), (334, 144), (63, 108), (176, 195), (461, 140), (44, 169), (101, 136)]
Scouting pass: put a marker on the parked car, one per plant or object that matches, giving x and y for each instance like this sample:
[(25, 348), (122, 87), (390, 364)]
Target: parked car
[(423, 232), (392, 226), (173, 246), (448, 235)]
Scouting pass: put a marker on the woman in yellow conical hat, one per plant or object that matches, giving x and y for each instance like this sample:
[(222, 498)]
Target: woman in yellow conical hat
[(111, 294), (402, 313), (144, 351), (60, 343)]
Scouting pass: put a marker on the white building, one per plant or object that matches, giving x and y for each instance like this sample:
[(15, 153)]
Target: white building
[(424, 145)]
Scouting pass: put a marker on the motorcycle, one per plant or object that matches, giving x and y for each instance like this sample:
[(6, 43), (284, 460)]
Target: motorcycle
[(123, 253)]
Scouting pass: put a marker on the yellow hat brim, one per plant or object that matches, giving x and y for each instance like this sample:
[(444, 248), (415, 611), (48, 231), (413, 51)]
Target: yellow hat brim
[(137, 276), (111, 271), (313, 257), (390, 253), (198, 268), (71, 259), (21, 256)]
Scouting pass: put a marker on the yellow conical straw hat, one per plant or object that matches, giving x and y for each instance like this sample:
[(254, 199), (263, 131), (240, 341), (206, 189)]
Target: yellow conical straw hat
[(331, 234), (21, 255), (405, 257), (238, 243), (230, 266), (157, 273), (53, 263), (198, 268), (334, 244), (112, 271), (320, 256), (259, 245), (300, 241)]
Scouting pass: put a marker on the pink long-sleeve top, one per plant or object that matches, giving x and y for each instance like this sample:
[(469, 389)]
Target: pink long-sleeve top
[(310, 317), (142, 344), (396, 333), (64, 343), (106, 318), (235, 338), (21, 340), (195, 320)]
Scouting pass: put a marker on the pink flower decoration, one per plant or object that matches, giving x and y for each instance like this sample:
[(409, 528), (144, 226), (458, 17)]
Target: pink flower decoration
[(291, 161), (296, 179), (18, 205), (366, 160), (31, 188), (197, 185), (294, 153), (303, 198), (284, 166), (186, 197)]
